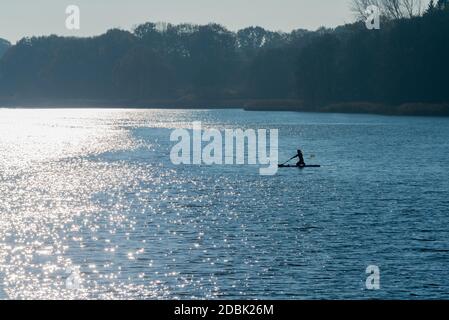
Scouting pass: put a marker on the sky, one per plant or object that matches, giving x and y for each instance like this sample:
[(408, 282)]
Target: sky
[(20, 18)]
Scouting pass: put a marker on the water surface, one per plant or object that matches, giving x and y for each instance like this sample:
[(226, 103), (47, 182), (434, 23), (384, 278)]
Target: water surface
[(95, 189)]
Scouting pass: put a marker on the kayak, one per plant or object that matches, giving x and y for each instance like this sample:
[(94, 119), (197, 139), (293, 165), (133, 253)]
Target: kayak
[(295, 166)]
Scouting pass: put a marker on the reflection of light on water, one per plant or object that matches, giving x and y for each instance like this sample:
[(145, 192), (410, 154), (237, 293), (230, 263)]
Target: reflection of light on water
[(68, 200), (92, 188), (46, 212), (43, 135), (61, 207)]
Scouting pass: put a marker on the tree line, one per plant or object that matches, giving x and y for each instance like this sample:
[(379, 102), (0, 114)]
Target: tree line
[(155, 61), (4, 45), (405, 61)]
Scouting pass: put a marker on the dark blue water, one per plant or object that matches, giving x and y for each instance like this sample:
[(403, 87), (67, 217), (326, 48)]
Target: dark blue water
[(95, 189)]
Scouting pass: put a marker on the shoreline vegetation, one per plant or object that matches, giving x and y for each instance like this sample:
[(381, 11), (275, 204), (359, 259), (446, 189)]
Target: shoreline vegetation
[(283, 105), (400, 69)]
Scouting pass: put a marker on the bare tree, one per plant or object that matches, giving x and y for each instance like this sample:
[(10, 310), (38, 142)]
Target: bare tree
[(413, 7), (391, 9), (359, 7)]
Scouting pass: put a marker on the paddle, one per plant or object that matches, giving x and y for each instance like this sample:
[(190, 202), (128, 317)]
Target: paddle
[(289, 160)]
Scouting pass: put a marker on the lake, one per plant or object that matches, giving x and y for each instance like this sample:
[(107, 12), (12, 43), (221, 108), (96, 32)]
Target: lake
[(94, 190)]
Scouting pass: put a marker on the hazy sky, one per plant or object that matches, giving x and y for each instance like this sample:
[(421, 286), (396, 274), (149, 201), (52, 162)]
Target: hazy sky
[(19, 18)]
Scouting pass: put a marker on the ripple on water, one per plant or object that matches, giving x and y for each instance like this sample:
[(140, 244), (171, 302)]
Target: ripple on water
[(92, 190)]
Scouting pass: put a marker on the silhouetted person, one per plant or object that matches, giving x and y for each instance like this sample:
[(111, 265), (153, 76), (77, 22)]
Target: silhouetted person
[(300, 156)]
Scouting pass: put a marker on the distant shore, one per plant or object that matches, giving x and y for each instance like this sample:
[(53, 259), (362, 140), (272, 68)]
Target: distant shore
[(405, 109), (292, 105)]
